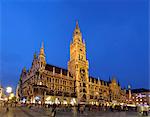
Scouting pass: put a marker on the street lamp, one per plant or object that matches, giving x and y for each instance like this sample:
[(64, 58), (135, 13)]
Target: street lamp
[(8, 90)]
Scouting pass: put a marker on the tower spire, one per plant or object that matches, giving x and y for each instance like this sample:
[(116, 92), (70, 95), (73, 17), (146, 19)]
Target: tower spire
[(42, 49), (78, 65), (77, 33), (42, 45), (77, 25), (35, 55), (41, 56), (77, 29)]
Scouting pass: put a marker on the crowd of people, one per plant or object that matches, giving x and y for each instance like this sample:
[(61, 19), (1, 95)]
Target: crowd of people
[(82, 108)]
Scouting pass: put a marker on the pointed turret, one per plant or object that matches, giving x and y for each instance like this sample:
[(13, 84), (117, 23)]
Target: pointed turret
[(77, 29), (42, 49), (42, 45), (77, 36), (77, 26), (41, 56), (129, 89), (113, 79), (24, 69), (34, 59), (35, 55)]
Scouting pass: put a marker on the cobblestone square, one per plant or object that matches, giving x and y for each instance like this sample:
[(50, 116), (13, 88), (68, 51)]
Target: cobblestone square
[(34, 112)]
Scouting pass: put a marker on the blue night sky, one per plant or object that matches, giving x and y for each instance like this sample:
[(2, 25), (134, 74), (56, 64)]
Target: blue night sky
[(115, 32)]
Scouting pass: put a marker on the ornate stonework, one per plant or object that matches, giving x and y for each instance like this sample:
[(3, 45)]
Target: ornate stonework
[(78, 65), (45, 83)]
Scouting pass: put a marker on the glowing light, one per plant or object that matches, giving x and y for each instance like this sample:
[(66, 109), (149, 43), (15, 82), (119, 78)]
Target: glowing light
[(6, 98), (49, 102), (40, 83), (12, 95), (48, 98), (8, 89), (24, 100), (37, 98), (57, 101), (65, 102), (73, 101)]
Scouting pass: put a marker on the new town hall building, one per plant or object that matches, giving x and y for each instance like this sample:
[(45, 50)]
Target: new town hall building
[(45, 83)]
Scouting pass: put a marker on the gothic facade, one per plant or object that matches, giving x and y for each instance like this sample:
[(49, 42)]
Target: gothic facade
[(45, 83)]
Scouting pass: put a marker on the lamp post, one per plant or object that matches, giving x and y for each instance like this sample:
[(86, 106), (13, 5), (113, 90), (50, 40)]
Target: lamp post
[(8, 90)]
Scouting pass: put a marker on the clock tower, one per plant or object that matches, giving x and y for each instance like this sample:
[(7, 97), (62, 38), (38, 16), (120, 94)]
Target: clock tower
[(78, 66)]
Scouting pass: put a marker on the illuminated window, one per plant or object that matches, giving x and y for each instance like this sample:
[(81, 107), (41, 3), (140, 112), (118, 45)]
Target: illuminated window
[(40, 83), (143, 95)]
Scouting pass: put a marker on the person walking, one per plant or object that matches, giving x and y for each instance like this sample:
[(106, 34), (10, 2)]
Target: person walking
[(145, 110), (82, 109), (7, 108), (74, 111), (53, 113)]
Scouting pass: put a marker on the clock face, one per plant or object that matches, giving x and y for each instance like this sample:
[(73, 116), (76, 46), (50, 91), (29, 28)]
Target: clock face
[(82, 71)]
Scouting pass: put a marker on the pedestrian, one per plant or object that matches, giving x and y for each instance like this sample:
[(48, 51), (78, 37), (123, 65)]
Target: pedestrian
[(140, 110), (78, 108), (74, 111), (82, 109), (7, 109), (113, 108), (145, 110), (53, 113)]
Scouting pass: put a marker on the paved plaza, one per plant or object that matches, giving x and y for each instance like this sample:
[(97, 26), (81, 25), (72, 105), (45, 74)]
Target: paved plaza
[(39, 112)]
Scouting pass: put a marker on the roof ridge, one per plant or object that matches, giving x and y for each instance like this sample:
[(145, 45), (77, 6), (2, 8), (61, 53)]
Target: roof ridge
[(57, 66)]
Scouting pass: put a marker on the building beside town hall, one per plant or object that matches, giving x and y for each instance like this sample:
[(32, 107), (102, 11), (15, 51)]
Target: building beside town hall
[(138, 96), (46, 83)]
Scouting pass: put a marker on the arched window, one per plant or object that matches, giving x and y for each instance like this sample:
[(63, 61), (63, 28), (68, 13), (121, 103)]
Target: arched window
[(84, 91), (84, 85), (84, 96)]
